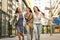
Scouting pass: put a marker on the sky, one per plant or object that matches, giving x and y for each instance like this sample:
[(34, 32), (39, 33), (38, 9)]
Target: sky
[(41, 4)]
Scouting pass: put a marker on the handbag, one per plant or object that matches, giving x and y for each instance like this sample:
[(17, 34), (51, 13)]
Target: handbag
[(30, 25), (29, 21)]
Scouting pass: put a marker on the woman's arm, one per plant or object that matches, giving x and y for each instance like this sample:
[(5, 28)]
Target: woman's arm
[(13, 19), (43, 15)]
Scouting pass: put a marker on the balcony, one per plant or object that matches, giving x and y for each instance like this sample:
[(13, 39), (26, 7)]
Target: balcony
[(9, 6), (9, 12), (13, 7), (10, 0), (14, 2)]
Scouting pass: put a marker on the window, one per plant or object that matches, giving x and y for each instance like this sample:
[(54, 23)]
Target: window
[(3, 24), (3, 16), (10, 5), (0, 18), (0, 4), (0, 0), (14, 2), (0, 22), (9, 11), (0, 14), (10, 0), (14, 7), (9, 8), (4, 29)]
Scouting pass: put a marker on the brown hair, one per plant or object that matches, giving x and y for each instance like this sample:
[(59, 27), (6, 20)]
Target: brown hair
[(16, 10), (29, 9), (37, 8)]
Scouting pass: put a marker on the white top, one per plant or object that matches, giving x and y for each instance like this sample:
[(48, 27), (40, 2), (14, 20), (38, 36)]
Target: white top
[(37, 18)]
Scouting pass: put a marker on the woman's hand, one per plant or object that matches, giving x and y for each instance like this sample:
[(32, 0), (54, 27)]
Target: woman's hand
[(51, 19)]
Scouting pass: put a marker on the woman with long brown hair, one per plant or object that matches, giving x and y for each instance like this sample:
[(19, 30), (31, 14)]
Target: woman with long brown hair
[(19, 23), (29, 22), (37, 21)]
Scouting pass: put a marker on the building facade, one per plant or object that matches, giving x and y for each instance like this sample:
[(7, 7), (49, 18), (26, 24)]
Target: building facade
[(7, 10)]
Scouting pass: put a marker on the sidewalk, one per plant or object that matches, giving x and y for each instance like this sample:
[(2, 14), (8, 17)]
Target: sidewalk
[(48, 37), (42, 37), (13, 38)]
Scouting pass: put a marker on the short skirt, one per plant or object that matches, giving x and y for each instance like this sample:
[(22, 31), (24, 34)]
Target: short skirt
[(19, 29)]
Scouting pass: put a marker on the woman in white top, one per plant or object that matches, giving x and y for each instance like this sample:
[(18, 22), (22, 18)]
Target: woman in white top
[(37, 21)]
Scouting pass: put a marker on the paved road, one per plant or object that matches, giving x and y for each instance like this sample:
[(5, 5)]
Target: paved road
[(42, 37), (48, 37)]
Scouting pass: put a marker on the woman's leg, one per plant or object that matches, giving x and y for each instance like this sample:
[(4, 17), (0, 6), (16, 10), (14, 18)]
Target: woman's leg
[(22, 32), (38, 30), (28, 33), (19, 32), (35, 32), (31, 33), (19, 36)]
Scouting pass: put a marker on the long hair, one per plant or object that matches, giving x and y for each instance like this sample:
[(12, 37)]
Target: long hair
[(37, 8), (15, 13), (29, 9), (16, 10)]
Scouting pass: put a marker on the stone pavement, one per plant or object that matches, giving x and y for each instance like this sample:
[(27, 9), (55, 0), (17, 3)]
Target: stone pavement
[(13, 38), (48, 37), (42, 37)]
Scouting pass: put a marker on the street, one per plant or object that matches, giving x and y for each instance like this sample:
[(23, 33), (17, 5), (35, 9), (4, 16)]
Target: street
[(30, 18), (42, 37)]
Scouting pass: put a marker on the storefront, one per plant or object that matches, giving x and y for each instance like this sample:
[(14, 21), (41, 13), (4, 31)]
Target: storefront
[(0, 23), (4, 24)]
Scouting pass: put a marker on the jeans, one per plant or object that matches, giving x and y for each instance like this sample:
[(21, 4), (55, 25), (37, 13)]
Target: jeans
[(28, 33), (37, 28)]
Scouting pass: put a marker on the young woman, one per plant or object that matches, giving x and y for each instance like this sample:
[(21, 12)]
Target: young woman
[(29, 22), (37, 21), (19, 23)]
